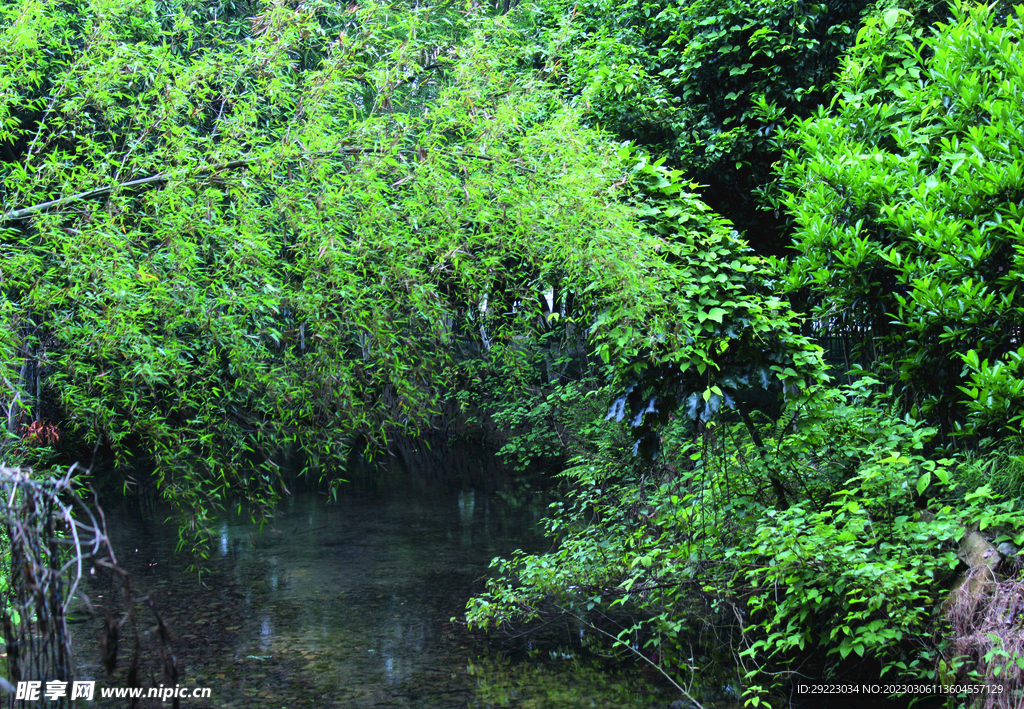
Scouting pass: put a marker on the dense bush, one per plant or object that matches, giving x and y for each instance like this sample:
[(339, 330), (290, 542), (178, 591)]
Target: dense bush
[(844, 581), (706, 83), (818, 536), (909, 203)]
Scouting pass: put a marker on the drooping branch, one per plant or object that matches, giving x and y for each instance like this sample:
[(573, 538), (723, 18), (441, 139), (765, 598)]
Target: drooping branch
[(159, 179), (762, 451), (162, 177)]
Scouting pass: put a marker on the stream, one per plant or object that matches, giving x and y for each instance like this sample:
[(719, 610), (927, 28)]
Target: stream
[(348, 602)]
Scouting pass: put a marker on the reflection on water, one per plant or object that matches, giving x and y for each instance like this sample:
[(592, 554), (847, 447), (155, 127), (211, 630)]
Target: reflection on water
[(348, 603)]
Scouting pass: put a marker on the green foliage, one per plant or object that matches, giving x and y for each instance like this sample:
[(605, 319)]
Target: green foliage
[(818, 533), (852, 568), (709, 339), (987, 509), (908, 202), (707, 83), (308, 249), (545, 427), (233, 226), (1002, 469), (860, 572), (995, 391)]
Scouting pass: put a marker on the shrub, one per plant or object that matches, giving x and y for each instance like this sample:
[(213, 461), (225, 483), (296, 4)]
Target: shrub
[(707, 83), (908, 198)]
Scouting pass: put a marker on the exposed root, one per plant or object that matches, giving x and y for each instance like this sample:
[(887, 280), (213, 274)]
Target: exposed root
[(54, 541), (987, 624)]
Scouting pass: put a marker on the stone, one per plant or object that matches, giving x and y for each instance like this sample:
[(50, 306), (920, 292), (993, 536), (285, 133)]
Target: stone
[(1007, 549)]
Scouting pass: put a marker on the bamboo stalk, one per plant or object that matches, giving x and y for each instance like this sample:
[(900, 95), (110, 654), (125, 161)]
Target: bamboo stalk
[(157, 179), (161, 177)]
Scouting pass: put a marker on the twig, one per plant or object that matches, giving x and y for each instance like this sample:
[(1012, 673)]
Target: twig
[(157, 179), (642, 657), (162, 177)]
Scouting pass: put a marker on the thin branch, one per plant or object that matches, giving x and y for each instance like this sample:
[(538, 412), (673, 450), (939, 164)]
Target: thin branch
[(162, 177), (653, 664), (150, 181)]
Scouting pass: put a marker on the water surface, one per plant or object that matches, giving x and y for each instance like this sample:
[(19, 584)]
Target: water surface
[(348, 603)]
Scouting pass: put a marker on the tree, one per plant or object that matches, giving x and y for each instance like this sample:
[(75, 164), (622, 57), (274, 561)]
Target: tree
[(708, 84), (210, 253), (217, 245), (908, 200)]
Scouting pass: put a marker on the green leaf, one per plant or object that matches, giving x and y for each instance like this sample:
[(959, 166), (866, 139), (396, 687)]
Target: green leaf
[(923, 482)]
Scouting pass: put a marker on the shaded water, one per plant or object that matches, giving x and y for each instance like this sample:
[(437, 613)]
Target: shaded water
[(348, 603)]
